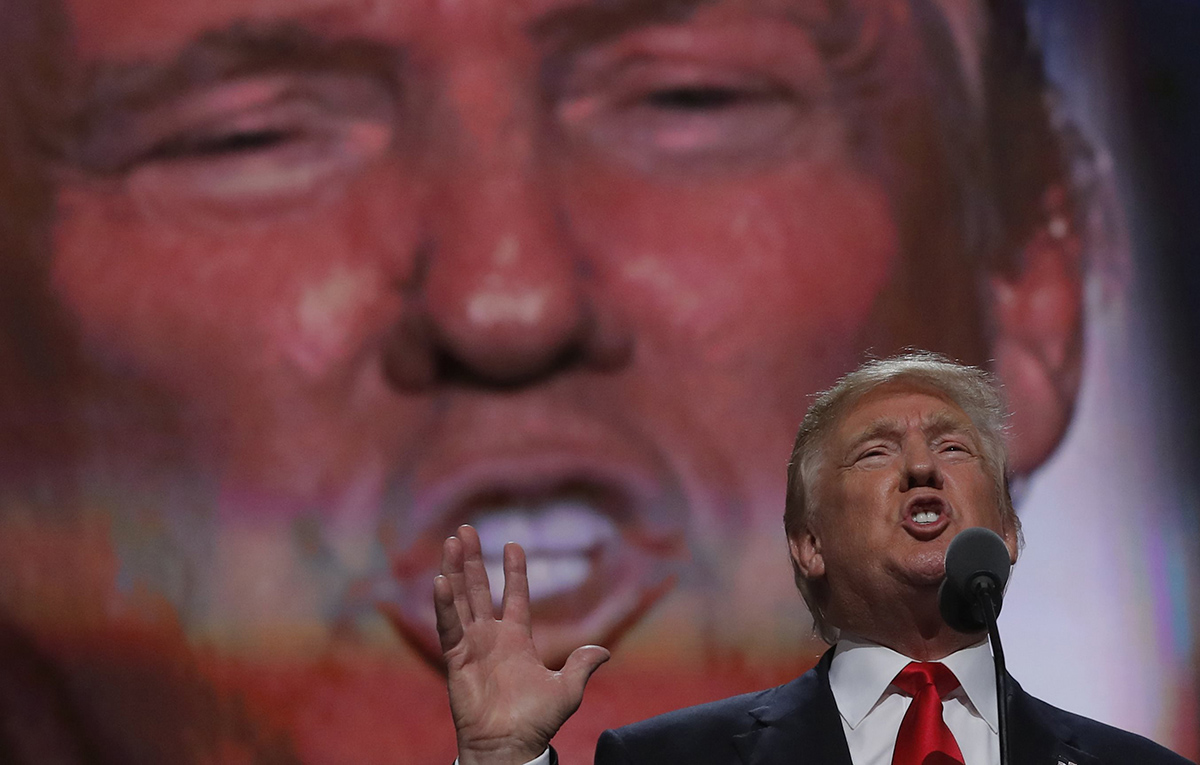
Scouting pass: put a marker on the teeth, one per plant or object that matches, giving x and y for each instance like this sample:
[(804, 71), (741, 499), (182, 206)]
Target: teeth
[(559, 539), (547, 577), (925, 517)]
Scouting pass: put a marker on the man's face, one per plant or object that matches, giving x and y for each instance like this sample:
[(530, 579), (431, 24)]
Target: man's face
[(902, 473), (562, 270)]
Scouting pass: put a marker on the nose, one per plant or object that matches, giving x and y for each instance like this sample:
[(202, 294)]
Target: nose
[(920, 466), (504, 297)]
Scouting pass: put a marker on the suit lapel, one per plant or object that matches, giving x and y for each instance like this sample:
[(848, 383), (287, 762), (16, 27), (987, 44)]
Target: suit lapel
[(1036, 740), (799, 725)]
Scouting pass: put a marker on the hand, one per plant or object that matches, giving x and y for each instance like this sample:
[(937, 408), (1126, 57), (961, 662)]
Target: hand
[(506, 704)]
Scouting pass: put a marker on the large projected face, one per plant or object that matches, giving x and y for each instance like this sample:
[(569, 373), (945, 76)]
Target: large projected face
[(353, 272)]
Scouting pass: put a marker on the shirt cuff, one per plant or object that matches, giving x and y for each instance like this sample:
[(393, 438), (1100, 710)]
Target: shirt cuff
[(543, 759)]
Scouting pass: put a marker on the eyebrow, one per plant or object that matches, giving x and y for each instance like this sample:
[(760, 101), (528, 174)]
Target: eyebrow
[(593, 22), (109, 94), (943, 423), (940, 424), (236, 50), (563, 33), (887, 429), (596, 21)]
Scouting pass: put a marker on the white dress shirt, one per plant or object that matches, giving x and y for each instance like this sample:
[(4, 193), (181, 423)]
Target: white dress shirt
[(871, 708)]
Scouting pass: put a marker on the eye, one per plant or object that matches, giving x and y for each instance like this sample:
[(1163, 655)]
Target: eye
[(873, 454), (695, 117), (254, 146), (701, 99), (233, 142), (954, 448)]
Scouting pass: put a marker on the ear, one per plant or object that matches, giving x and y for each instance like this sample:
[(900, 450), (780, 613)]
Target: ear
[(1038, 324), (1012, 539), (806, 552)]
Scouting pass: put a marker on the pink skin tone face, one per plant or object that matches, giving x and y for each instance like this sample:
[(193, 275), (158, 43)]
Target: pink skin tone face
[(563, 271), (902, 474)]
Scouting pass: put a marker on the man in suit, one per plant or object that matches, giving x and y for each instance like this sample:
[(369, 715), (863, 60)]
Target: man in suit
[(889, 465)]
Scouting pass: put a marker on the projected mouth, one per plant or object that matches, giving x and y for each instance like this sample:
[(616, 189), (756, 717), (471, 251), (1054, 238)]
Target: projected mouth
[(563, 540), (602, 545)]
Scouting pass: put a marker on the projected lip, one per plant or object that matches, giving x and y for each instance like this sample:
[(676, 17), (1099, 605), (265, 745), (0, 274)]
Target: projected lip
[(602, 543), (564, 540)]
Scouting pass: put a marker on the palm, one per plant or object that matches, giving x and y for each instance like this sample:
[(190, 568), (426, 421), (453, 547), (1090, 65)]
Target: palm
[(506, 704)]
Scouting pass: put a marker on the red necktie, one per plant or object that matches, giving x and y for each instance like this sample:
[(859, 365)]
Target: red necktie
[(924, 738)]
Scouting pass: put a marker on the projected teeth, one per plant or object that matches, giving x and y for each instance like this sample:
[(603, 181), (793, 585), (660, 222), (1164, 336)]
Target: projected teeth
[(925, 517), (560, 540)]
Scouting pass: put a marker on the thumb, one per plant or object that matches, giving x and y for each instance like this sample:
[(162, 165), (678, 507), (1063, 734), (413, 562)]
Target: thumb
[(580, 665)]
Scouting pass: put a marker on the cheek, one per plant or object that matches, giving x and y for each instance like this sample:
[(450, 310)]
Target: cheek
[(721, 272), (747, 295), (988, 495), (866, 498), (975, 493), (193, 307)]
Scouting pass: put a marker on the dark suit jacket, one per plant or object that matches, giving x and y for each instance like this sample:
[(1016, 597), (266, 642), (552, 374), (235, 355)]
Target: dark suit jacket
[(798, 724)]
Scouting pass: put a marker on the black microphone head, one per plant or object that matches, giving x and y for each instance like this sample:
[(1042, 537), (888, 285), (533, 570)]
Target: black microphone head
[(977, 565)]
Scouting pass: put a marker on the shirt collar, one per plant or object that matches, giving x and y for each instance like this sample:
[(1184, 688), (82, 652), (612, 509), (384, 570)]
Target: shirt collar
[(976, 672), (862, 671)]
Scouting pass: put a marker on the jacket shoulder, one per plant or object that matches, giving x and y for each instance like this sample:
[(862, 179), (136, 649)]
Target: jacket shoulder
[(700, 734), (692, 734), (1105, 742)]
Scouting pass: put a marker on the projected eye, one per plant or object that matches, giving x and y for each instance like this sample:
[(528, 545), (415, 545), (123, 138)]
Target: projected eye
[(253, 147), (686, 114), (222, 144)]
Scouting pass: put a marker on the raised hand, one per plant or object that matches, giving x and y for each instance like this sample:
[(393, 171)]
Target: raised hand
[(506, 704)]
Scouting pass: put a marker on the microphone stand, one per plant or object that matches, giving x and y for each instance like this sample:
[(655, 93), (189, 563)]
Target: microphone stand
[(983, 590)]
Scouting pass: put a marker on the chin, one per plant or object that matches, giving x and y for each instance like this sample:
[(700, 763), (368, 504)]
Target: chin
[(926, 568)]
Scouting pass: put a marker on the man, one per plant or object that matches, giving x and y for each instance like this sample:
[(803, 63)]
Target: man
[(395, 266), (889, 465), (342, 275)]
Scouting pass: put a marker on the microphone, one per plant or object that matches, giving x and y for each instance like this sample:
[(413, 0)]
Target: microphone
[(977, 567)]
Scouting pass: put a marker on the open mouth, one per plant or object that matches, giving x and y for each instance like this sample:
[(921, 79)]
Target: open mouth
[(565, 539), (925, 518), (600, 550)]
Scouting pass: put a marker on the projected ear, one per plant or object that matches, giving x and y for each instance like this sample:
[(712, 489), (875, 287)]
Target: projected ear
[(1038, 314)]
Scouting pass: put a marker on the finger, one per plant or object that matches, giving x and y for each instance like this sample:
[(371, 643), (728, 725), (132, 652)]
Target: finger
[(579, 668), (479, 594), (452, 569), (515, 606), (449, 623)]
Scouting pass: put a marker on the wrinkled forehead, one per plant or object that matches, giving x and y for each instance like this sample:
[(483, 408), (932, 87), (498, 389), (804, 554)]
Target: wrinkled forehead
[(131, 30), (893, 408)]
